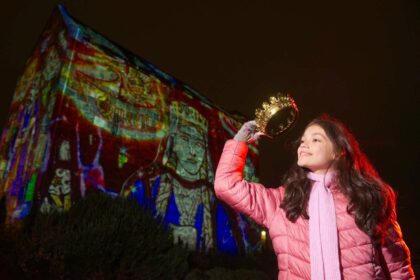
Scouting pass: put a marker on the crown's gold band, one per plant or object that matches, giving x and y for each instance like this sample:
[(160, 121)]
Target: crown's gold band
[(271, 111)]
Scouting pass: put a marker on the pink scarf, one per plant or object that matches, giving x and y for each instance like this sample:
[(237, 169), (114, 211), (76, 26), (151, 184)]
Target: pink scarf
[(325, 264)]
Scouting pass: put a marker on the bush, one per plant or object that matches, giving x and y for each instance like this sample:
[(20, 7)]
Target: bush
[(111, 238), (100, 238)]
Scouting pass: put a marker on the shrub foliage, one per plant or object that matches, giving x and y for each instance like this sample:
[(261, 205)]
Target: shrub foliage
[(100, 237), (104, 237)]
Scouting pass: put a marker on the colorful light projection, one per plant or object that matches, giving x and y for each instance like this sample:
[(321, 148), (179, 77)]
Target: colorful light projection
[(89, 116)]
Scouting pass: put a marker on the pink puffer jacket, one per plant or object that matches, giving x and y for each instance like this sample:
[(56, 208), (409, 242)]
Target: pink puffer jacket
[(358, 257)]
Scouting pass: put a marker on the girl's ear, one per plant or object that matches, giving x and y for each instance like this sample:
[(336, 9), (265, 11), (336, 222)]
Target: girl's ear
[(338, 155)]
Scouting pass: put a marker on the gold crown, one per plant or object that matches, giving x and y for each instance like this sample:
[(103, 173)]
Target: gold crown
[(276, 116), (181, 113)]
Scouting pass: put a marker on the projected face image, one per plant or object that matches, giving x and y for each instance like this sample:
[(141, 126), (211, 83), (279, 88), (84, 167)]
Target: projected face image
[(189, 149)]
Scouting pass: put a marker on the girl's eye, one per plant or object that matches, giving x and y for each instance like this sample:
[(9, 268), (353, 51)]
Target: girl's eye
[(316, 140)]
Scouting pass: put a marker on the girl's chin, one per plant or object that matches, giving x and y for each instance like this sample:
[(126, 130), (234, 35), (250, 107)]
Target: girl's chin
[(302, 163)]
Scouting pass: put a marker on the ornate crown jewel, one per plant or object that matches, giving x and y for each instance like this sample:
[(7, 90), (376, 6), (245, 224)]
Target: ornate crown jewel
[(277, 116)]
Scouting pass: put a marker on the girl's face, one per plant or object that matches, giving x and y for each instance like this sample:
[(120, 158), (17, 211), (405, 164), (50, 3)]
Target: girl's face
[(316, 151)]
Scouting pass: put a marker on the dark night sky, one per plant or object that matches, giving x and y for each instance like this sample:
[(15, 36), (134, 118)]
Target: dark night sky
[(356, 60)]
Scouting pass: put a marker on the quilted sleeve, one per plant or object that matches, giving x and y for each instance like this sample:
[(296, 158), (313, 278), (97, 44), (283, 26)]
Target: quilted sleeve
[(252, 199), (397, 255)]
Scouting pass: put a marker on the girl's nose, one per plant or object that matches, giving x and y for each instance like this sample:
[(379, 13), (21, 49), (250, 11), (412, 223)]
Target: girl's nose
[(303, 144)]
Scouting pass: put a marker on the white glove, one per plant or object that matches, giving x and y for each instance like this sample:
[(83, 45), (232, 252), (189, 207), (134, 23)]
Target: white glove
[(248, 133)]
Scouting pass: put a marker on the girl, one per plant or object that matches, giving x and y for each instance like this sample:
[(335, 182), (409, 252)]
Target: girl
[(334, 218)]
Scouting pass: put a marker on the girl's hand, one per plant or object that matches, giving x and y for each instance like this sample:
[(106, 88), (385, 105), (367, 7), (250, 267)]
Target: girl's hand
[(248, 133)]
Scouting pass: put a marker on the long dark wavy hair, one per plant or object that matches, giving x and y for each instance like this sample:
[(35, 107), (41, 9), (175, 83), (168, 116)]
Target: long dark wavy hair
[(371, 200)]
